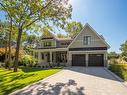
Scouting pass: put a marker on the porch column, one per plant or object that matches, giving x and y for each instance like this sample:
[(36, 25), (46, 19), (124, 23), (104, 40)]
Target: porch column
[(105, 60), (50, 57), (69, 59), (39, 57), (54, 57), (86, 59)]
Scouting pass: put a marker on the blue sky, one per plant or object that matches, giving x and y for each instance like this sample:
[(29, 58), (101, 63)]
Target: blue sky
[(107, 17)]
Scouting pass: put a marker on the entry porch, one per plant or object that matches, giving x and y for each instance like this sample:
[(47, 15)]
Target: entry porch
[(51, 57)]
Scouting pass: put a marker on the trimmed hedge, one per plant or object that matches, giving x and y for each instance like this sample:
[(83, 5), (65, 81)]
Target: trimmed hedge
[(119, 69)]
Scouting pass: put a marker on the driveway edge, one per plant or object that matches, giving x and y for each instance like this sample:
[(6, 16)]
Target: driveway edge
[(15, 92), (117, 77)]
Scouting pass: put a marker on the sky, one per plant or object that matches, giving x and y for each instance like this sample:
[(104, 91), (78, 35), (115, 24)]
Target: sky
[(107, 17)]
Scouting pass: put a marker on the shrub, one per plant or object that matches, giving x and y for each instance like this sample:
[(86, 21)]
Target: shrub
[(28, 60), (119, 69), (113, 61)]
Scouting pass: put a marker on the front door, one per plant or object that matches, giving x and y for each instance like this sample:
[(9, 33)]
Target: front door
[(48, 56)]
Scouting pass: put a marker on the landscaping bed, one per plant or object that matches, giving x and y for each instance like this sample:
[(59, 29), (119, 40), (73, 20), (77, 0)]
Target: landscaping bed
[(11, 81), (120, 70)]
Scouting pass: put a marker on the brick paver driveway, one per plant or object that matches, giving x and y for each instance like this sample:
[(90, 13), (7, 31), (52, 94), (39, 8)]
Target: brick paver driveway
[(77, 81)]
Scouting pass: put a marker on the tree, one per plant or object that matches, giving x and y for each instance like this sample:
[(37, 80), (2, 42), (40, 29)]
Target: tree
[(26, 14), (73, 28), (8, 27), (4, 31), (29, 43), (113, 55), (59, 35), (124, 50), (9, 43), (30, 39)]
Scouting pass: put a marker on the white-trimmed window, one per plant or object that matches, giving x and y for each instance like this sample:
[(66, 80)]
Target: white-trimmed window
[(47, 44), (87, 40)]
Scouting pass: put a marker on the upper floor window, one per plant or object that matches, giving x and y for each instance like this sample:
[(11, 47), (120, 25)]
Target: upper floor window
[(46, 44), (87, 40)]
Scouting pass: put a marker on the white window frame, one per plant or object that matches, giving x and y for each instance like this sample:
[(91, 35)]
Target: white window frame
[(88, 40)]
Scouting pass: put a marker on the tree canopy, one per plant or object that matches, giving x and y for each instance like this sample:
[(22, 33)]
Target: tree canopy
[(25, 13), (124, 49), (32, 14), (112, 55), (73, 28)]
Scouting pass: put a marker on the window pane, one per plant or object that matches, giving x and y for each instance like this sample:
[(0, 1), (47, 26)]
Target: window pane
[(47, 44), (87, 40)]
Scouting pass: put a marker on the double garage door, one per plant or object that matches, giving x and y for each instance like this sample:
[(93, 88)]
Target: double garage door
[(93, 60)]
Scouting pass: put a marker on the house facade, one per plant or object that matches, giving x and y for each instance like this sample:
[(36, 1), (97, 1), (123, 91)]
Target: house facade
[(88, 48)]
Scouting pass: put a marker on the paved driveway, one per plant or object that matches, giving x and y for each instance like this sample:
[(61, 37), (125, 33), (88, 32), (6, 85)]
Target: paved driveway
[(77, 81)]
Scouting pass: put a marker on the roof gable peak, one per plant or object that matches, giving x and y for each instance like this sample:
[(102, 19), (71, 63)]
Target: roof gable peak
[(87, 25)]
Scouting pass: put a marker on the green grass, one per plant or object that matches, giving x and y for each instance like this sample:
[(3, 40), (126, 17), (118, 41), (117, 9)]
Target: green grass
[(120, 70), (11, 81)]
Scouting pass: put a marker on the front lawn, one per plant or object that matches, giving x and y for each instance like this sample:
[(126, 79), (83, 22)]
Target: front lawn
[(11, 81), (120, 70)]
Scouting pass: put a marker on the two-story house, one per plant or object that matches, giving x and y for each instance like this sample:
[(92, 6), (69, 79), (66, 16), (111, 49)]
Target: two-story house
[(88, 48)]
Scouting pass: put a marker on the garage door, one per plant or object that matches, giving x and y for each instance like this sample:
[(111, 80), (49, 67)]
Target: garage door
[(78, 60), (96, 60)]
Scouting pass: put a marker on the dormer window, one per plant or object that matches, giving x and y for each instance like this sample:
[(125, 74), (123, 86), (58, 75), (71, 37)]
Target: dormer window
[(87, 40), (47, 44)]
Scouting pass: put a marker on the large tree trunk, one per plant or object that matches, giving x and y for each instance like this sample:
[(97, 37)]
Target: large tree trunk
[(9, 45), (6, 46), (17, 49)]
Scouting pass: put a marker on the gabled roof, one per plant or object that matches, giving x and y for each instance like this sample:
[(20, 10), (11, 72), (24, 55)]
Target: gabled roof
[(61, 42), (48, 34), (64, 39), (101, 38)]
